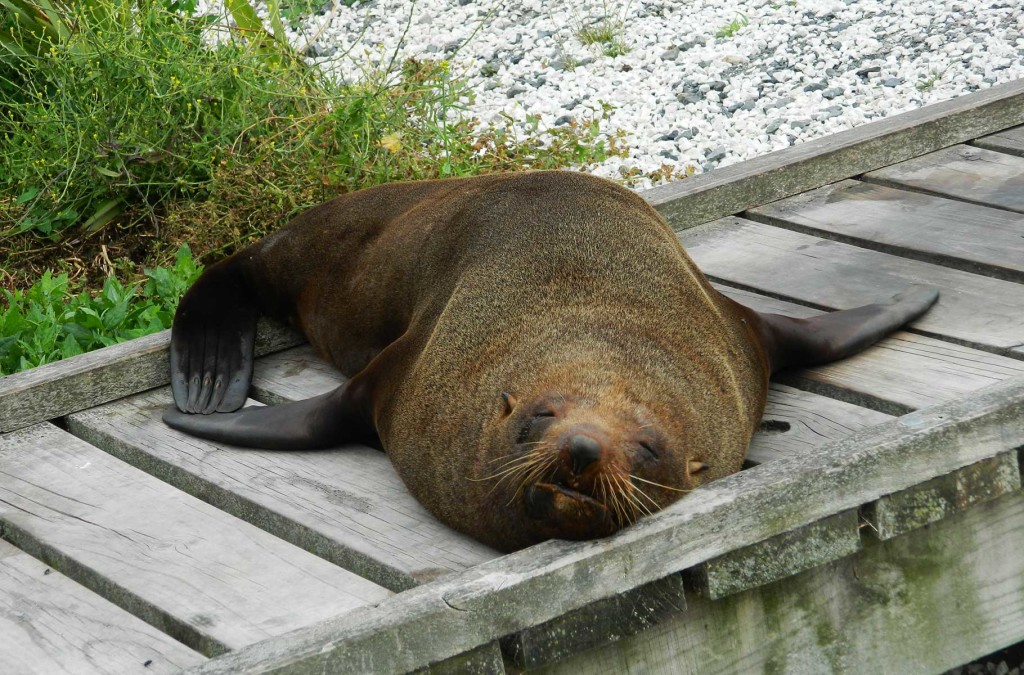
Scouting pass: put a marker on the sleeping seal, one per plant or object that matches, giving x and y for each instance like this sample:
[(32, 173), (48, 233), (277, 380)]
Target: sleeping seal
[(535, 352)]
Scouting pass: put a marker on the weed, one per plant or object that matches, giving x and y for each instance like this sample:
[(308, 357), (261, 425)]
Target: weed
[(607, 31), (136, 140), (733, 27), (928, 83), (53, 320)]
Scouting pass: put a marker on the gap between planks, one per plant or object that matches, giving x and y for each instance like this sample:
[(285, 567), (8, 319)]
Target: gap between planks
[(209, 580), (969, 237), (975, 311)]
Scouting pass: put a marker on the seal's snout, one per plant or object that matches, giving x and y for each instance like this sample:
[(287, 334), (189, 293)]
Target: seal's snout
[(583, 451)]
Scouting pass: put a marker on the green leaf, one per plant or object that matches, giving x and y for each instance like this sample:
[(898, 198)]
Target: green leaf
[(106, 212), (114, 317), (27, 195), (70, 347)]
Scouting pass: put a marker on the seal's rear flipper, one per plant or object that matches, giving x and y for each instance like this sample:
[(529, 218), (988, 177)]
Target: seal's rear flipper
[(323, 421), (820, 339), (212, 342)]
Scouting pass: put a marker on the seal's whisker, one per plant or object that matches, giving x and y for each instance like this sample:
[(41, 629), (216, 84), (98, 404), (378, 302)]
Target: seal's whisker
[(538, 470), (626, 491), (643, 494), (616, 503), (651, 482), (519, 463), (632, 491)]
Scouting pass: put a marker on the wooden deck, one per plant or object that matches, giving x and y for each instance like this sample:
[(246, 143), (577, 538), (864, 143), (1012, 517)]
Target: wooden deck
[(883, 493)]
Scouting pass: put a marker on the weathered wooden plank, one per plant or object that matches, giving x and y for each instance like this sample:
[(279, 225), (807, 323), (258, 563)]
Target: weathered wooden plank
[(292, 375), (904, 372), (963, 172), (530, 587), (1010, 141), (825, 160), (103, 375), (899, 513), (205, 578), (484, 660), (598, 624), (779, 557), (923, 603), (796, 421), (347, 505), (956, 234), (50, 624), (978, 311)]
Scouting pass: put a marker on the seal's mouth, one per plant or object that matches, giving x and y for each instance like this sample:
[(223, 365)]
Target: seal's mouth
[(568, 514)]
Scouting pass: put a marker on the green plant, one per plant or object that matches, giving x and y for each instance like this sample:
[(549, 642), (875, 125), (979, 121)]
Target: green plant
[(51, 321), (733, 27), (147, 137), (115, 107), (928, 83), (608, 31)]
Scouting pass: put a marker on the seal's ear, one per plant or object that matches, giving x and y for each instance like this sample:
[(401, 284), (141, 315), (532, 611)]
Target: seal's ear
[(510, 402)]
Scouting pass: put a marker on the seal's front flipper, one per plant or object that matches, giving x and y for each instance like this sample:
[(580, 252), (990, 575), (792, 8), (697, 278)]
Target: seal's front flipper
[(212, 342), (820, 339), (323, 421)]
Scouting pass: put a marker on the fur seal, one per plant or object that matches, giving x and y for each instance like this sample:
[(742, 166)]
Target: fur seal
[(535, 352)]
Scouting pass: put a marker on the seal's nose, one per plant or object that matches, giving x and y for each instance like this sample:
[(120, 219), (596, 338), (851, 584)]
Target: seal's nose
[(584, 451)]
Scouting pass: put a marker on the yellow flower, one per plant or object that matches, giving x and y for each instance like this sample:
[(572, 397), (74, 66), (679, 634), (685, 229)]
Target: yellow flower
[(391, 142)]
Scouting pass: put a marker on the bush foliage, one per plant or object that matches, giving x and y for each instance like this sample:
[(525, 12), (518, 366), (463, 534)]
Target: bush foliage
[(53, 320), (136, 124)]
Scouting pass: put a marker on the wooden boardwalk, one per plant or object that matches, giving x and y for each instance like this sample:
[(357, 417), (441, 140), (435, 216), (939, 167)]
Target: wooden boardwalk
[(882, 495)]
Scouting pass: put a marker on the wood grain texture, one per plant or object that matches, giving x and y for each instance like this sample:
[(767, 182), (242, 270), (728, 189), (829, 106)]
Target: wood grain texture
[(530, 587), (346, 505), (953, 233), (962, 172), (977, 311), (210, 580), (1010, 141), (597, 624), (50, 624), (921, 505), (922, 603), (796, 421), (779, 557), (107, 374), (904, 372), (757, 181)]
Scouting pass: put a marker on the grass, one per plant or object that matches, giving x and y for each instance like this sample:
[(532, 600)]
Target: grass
[(606, 31), (736, 25), (928, 83), (124, 134), (608, 34)]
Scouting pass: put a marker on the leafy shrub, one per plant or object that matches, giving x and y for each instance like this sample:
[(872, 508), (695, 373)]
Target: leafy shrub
[(125, 110), (123, 124), (51, 321)]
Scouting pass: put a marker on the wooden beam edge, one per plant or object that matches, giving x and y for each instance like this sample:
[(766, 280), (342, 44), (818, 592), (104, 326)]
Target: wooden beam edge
[(107, 374), (824, 160), (530, 587), (943, 496), (778, 557)]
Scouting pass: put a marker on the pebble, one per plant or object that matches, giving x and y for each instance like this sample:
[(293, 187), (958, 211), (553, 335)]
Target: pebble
[(813, 68)]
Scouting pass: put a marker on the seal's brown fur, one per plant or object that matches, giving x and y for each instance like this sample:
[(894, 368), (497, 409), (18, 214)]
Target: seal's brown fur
[(536, 352)]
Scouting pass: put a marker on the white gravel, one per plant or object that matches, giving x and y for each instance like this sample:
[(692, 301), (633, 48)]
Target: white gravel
[(685, 94)]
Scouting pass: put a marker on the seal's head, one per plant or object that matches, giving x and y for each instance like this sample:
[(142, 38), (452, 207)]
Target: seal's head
[(583, 466)]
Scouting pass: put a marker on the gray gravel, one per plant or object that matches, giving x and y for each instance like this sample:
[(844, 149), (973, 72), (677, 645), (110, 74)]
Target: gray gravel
[(740, 78)]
